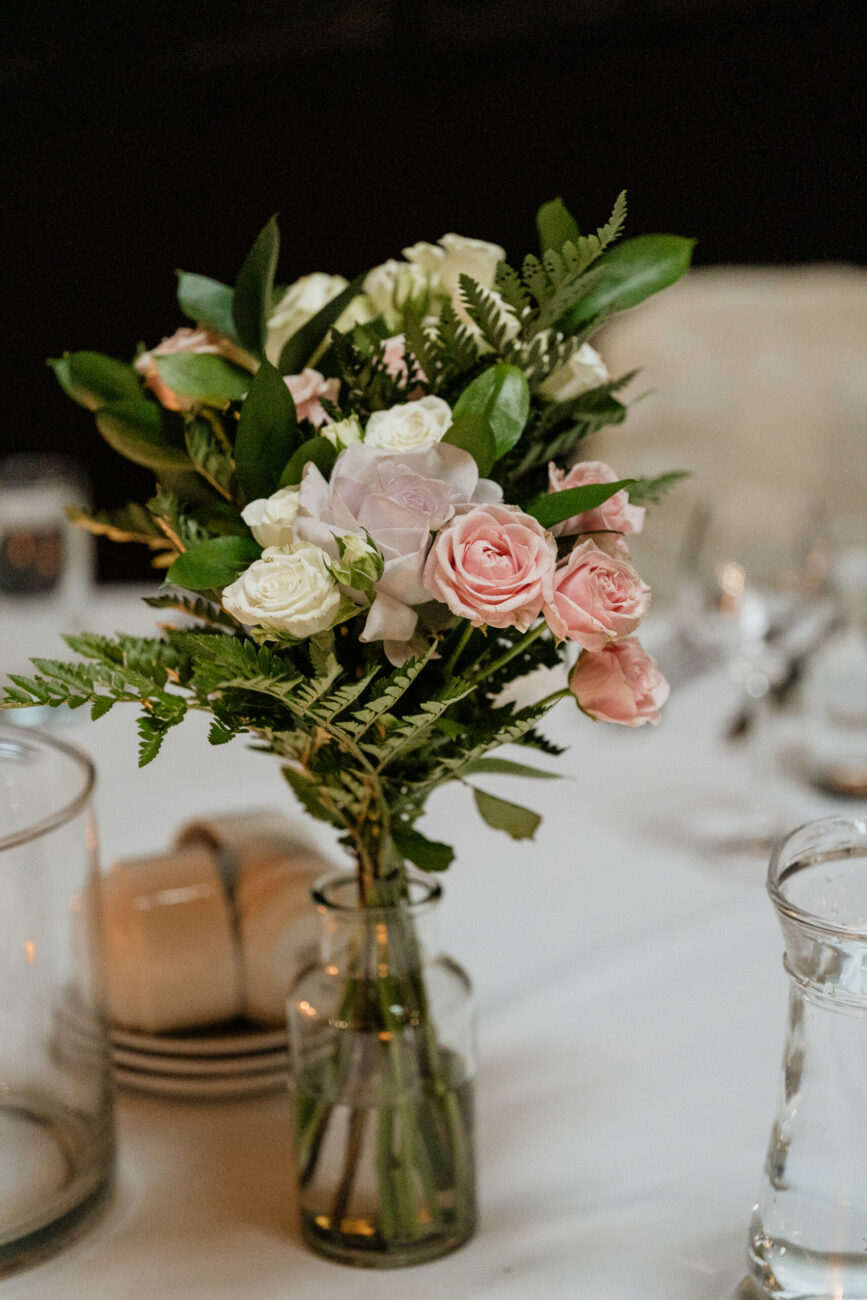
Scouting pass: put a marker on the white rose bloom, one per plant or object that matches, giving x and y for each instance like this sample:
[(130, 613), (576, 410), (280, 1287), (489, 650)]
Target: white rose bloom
[(288, 590), (271, 518), (392, 285), (428, 257), (584, 370), (413, 424), (342, 434), (301, 301), (474, 257)]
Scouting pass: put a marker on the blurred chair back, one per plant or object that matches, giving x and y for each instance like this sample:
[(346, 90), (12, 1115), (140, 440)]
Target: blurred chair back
[(751, 375)]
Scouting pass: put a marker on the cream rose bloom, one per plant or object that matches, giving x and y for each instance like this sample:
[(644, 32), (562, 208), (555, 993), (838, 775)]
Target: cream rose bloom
[(391, 286), (584, 370), (288, 590), (463, 256), (301, 301), (271, 518), (342, 433), (411, 425)]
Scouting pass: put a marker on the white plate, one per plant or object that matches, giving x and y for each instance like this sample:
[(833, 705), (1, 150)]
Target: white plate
[(236, 1039), (202, 1066), (243, 1085)]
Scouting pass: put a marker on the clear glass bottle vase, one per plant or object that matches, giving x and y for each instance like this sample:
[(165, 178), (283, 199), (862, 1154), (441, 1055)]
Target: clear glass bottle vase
[(382, 1048), (808, 1237)]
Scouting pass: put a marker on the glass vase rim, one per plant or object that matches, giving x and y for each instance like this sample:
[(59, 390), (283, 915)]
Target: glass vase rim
[(11, 736), (323, 887), (779, 871)]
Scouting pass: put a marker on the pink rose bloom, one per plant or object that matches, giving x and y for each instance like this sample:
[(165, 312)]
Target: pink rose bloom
[(597, 598), (306, 389), (398, 498), (615, 514), (193, 341), (620, 683), (493, 565), (394, 356)]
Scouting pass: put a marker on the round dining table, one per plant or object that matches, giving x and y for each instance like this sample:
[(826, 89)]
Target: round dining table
[(631, 1008)]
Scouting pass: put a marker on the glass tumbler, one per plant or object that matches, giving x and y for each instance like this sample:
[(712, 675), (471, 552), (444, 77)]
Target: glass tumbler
[(56, 1117), (808, 1237)]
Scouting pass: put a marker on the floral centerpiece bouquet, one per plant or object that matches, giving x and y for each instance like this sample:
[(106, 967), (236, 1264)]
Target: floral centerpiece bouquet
[(374, 516)]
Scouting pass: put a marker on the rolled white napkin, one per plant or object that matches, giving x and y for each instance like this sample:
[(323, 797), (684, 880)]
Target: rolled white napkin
[(171, 950), (269, 867)]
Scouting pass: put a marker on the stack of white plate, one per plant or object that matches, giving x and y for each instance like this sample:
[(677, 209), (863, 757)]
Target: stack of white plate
[(236, 1060)]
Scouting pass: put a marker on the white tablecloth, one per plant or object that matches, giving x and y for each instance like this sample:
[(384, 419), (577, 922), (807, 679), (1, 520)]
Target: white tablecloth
[(631, 1003)]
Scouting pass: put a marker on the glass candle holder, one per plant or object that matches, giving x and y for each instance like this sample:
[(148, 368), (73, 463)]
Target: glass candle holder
[(56, 1115), (808, 1237)]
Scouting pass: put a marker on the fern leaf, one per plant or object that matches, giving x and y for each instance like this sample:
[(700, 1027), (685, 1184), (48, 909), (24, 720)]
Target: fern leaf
[(203, 610), (536, 279), (495, 320), (509, 283), (647, 491), (391, 689)]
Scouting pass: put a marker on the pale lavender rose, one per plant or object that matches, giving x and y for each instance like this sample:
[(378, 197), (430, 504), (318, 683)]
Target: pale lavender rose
[(398, 499), (196, 341), (493, 565), (307, 389), (615, 514), (597, 598), (620, 683)]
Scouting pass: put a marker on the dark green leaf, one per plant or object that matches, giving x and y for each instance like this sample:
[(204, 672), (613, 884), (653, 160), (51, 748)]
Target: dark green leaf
[(502, 395), (629, 273), (101, 705), (319, 450), (298, 349), (520, 823), (556, 226), (204, 376), (93, 379), (474, 434), (251, 305), (554, 507), (428, 855), (207, 302), (214, 563), (267, 433), (145, 433), (506, 767)]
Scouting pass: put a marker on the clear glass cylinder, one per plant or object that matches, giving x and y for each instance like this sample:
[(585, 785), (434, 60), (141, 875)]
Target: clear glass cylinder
[(382, 1049), (56, 1100), (808, 1237)]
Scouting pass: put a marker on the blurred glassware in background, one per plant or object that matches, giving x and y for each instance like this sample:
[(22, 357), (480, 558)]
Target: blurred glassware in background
[(56, 1099), (835, 687), (46, 563), (752, 603)]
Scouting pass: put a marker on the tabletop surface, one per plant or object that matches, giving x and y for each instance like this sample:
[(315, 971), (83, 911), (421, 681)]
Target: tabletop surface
[(631, 1005)]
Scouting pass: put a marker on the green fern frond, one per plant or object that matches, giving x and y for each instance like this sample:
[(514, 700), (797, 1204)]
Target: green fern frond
[(390, 690), (495, 319), (199, 608), (510, 285)]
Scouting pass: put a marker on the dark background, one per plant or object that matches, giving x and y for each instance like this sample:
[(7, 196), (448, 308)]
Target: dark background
[(156, 137)]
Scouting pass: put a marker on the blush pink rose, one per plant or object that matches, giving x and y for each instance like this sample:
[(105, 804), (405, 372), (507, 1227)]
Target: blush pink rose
[(620, 683), (307, 389), (597, 598), (394, 356), (197, 341), (615, 514), (493, 565)]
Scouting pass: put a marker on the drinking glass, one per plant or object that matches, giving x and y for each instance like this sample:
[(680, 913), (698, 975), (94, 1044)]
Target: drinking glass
[(46, 563), (808, 1236), (56, 1116), (750, 600)]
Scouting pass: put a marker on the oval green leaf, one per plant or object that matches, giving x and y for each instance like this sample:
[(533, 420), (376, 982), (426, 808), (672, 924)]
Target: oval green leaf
[(502, 395), (319, 451), (629, 273), (553, 507), (207, 302), (203, 376), (214, 563), (93, 379), (556, 226), (520, 823), (473, 433), (145, 433), (267, 433), (251, 305)]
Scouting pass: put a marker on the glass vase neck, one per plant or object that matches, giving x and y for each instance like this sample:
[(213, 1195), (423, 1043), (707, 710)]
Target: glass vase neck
[(398, 913)]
